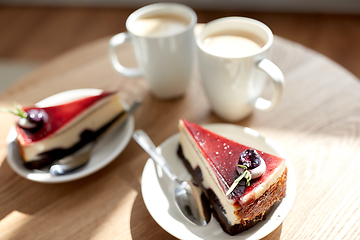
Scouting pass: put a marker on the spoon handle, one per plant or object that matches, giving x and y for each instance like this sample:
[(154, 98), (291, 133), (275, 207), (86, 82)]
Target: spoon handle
[(145, 142)]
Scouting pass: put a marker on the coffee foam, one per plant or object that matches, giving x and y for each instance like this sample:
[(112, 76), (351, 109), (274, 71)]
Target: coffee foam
[(159, 25), (233, 44)]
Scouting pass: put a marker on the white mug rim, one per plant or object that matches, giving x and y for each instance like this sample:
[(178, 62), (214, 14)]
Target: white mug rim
[(155, 6), (237, 19)]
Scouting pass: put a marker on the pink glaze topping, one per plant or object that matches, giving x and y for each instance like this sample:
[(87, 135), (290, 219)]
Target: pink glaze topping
[(58, 116), (223, 155)]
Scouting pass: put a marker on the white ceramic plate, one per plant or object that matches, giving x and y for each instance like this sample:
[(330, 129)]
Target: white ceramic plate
[(158, 190), (105, 151)]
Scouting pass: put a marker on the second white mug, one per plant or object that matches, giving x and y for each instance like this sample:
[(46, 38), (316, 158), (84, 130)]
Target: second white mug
[(162, 35), (234, 64)]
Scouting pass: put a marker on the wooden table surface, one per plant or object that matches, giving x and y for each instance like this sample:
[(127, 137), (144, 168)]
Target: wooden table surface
[(317, 123)]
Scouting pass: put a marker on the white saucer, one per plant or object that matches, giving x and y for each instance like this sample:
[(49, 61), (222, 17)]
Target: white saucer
[(105, 151), (158, 190)]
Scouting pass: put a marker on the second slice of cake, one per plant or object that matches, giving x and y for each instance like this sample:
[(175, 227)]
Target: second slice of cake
[(59, 130)]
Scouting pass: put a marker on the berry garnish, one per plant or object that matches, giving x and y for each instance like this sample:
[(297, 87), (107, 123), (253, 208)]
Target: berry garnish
[(250, 158), (31, 120), (250, 166), (34, 120), (37, 116)]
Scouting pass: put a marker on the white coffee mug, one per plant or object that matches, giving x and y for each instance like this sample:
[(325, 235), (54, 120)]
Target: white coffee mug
[(234, 64), (162, 36)]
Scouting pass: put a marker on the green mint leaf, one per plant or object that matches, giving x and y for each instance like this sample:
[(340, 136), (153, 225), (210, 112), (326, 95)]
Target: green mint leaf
[(235, 183), (245, 174), (244, 167), (248, 178), (8, 111), (18, 111)]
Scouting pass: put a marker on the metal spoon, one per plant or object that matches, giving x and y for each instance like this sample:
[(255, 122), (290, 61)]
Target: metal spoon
[(72, 162), (81, 157), (187, 195)]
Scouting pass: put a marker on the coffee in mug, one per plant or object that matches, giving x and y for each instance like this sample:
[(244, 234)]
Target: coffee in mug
[(159, 26), (234, 65), (162, 36), (233, 44)]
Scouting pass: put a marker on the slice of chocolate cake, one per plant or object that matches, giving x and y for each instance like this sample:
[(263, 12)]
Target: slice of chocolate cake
[(242, 183)]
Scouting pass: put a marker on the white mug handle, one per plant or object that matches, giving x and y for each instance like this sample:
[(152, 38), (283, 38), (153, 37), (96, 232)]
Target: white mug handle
[(114, 42), (277, 78)]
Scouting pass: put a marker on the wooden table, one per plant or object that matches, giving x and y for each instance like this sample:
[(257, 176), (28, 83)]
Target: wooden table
[(317, 124)]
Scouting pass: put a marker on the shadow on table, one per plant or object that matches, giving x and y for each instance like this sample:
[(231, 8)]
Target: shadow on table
[(142, 225), (275, 235), (13, 193), (72, 210)]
